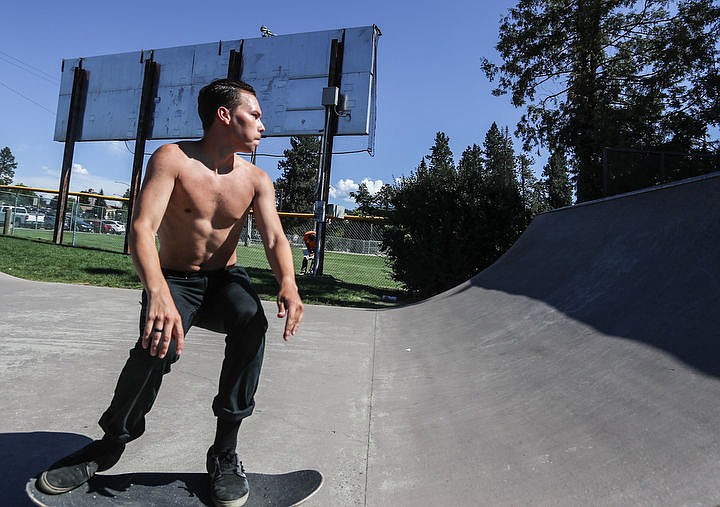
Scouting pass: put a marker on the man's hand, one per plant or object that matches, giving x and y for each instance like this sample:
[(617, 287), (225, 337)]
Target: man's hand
[(290, 304), (162, 325)]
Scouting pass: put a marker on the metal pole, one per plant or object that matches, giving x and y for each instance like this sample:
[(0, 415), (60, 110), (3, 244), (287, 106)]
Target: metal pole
[(329, 131), (321, 199), (248, 227), (145, 114), (75, 116), (235, 63), (73, 221), (8, 225)]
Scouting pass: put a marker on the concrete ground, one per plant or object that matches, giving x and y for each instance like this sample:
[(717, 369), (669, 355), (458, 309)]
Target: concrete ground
[(580, 369)]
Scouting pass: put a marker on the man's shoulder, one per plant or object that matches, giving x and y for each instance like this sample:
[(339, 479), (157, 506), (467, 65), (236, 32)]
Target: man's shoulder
[(171, 158), (168, 154), (259, 175), (182, 149)]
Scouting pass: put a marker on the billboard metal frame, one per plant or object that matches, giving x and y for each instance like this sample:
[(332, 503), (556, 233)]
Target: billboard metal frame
[(153, 95)]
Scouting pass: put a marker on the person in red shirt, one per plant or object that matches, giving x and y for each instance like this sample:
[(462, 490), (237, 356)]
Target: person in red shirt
[(310, 239)]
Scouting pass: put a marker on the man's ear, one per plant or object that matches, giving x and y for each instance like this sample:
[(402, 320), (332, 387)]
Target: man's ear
[(223, 114)]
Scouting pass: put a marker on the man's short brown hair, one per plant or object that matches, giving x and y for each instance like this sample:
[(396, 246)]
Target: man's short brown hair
[(219, 93)]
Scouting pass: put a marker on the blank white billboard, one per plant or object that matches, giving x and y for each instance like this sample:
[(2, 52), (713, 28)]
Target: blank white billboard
[(288, 73)]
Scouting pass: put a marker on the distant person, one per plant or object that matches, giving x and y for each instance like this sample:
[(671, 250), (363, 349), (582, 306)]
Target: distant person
[(310, 240), (196, 196)]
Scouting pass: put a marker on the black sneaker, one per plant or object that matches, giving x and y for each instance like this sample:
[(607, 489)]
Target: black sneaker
[(228, 483), (77, 468)]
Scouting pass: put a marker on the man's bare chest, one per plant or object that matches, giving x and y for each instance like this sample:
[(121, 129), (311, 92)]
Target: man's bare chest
[(217, 197)]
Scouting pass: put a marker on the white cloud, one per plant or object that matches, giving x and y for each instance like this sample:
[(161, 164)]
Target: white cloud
[(346, 186), (373, 186), (79, 169), (341, 191)]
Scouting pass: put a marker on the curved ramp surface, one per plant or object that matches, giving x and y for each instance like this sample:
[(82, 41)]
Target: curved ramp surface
[(581, 368)]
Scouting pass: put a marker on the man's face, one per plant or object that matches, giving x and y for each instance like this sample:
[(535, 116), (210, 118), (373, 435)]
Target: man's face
[(245, 123)]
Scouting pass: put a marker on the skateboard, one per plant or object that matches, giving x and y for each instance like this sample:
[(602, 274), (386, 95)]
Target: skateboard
[(182, 490)]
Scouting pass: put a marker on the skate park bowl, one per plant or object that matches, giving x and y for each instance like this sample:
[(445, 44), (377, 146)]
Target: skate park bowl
[(582, 368)]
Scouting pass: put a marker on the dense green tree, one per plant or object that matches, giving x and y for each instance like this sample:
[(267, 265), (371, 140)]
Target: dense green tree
[(474, 180), (446, 225), (556, 179), (440, 159), (532, 190), (505, 213), (499, 157), (296, 189), (412, 252), (368, 204), (364, 200), (7, 166), (620, 73), (421, 238)]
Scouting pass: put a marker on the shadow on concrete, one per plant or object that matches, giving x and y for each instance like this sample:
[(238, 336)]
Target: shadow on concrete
[(186, 489), (27, 455)]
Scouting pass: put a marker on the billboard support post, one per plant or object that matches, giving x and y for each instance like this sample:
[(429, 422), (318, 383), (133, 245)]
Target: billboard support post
[(235, 66), (74, 122), (144, 127), (330, 101)]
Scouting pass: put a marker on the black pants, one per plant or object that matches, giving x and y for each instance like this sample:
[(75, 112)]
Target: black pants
[(221, 301)]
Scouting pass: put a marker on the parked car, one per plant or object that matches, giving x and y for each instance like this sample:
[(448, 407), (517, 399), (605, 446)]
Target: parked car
[(82, 226), (101, 226), (49, 221), (79, 224), (117, 227), (34, 218), (19, 214)]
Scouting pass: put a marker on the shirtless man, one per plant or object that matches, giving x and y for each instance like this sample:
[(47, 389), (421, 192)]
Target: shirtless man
[(195, 197)]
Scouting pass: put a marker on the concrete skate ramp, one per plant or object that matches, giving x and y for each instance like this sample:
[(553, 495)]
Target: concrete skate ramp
[(580, 369)]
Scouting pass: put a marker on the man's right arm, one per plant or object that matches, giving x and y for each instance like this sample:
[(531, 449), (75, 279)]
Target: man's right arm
[(150, 207)]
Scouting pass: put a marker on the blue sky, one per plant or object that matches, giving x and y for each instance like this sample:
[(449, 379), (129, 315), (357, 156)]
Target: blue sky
[(429, 76)]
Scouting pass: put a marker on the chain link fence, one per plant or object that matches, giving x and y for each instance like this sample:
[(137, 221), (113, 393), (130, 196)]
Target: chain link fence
[(352, 250)]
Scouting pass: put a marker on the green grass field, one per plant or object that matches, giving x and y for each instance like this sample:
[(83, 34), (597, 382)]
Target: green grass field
[(348, 280)]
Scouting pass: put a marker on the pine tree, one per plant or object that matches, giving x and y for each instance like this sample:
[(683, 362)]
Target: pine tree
[(446, 224), (498, 157), (295, 190), (440, 159), (422, 237), (611, 73), (474, 181), (377, 205), (7, 166), (532, 190), (557, 181), (505, 213)]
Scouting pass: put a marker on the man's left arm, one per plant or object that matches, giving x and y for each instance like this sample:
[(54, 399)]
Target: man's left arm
[(279, 254)]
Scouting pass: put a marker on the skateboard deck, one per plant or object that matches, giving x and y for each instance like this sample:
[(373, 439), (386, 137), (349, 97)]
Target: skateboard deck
[(181, 489)]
